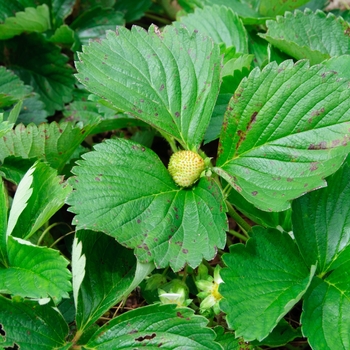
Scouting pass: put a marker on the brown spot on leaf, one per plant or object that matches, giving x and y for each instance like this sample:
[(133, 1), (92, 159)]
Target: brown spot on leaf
[(252, 120), (321, 145), (146, 337), (185, 251), (317, 112), (254, 193), (313, 166)]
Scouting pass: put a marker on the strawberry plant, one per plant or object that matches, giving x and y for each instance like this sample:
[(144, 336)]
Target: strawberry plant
[(199, 166)]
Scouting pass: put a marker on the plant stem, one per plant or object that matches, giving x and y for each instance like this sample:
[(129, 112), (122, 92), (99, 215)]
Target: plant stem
[(171, 141), (157, 18), (238, 235), (240, 222), (49, 228), (59, 239)]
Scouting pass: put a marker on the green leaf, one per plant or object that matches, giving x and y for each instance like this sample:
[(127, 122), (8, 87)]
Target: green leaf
[(35, 272), (268, 277), (4, 206), (12, 89), (326, 310), (63, 35), (61, 9), (132, 9), (137, 202), (279, 220), (86, 109), (30, 325), (169, 80), (14, 168), (340, 65), (107, 276), (249, 15), (40, 64), (259, 48), (156, 326), (281, 335), (54, 143), (315, 5), (48, 195), (271, 8), (5, 126), (33, 110), (321, 220), (94, 23), (228, 87), (8, 8), (31, 20), (14, 113), (20, 200), (307, 35), (220, 23), (229, 342), (286, 128)]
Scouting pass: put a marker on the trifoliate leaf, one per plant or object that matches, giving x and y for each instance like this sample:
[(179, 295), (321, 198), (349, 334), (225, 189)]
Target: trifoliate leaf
[(285, 129), (315, 36), (169, 79), (137, 202), (268, 277), (31, 20)]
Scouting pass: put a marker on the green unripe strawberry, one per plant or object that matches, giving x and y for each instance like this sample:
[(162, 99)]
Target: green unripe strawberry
[(186, 167)]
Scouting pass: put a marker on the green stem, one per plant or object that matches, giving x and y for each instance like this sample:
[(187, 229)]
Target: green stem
[(49, 228), (238, 235), (59, 239), (157, 18), (171, 141), (240, 222)]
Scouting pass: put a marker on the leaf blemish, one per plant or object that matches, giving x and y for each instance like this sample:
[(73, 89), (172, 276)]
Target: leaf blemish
[(252, 120), (185, 251), (146, 337), (317, 112), (161, 87), (321, 145), (313, 166), (179, 314), (254, 193)]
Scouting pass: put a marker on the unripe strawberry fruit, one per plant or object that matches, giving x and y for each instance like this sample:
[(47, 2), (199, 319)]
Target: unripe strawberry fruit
[(186, 167)]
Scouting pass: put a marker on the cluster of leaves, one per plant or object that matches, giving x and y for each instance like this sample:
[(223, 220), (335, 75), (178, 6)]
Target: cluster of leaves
[(265, 84)]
